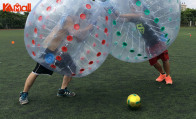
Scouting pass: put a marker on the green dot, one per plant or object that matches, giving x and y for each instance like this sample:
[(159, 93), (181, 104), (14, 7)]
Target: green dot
[(116, 43), (132, 50), (136, 57), (171, 10), (156, 20), (127, 58), (168, 41), (109, 11), (124, 44), (118, 33), (162, 28), (169, 19), (138, 3), (134, 94), (145, 57), (139, 55), (166, 35), (114, 22), (147, 12), (138, 102)]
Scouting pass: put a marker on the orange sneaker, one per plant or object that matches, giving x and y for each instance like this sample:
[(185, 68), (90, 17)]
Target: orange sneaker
[(161, 77), (168, 80)]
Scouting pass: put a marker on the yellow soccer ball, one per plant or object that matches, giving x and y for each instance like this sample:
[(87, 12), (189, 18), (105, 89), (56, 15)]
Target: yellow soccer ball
[(133, 101)]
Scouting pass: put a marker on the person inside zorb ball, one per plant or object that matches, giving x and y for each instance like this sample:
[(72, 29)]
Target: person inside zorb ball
[(73, 42), (143, 29)]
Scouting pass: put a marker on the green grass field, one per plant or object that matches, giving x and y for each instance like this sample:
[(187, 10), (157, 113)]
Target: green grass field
[(103, 94)]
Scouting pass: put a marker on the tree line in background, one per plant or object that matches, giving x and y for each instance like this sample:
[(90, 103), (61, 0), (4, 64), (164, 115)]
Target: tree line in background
[(10, 20)]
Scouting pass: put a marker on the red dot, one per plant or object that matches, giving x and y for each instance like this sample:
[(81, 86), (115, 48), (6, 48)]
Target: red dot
[(83, 16), (89, 68), (106, 18), (82, 70), (43, 26), (58, 1), (106, 30), (48, 8), (103, 42), (33, 42), (97, 61), (104, 53), (91, 62), (98, 54), (58, 58), (69, 38), (28, 46), (40, 18), (88, 6), (35, 30), (33, 53), (94, 44), (88, 52), (82, 58), (76, 26), (107, 44), (53, 66), (38, 45), (64, 49), (96, 35), (41, 36), (73, 74), (97, 27)]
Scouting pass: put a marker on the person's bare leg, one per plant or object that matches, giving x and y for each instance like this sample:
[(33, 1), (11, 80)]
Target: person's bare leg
[(29, 82), (159, 67), (66, 80), (166, 67)]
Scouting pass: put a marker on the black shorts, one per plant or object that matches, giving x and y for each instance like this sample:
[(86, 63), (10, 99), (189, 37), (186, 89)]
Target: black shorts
[(39, 69)]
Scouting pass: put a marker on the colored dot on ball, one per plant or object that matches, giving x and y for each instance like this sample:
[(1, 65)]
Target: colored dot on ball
[(33, 42), (97, 61), (64, 49), (98, 54), (35, 30), (13, 42), (106, 18), (82, 70), (82, 16), (118, 33), (48, 8), (109, 11), (156, 20), (89, 68), (43, 26), (41, 36), (88, 6), (162, 28), (27, 35), (116, 43), (58, 58), (145, 57), (124, 44), (69, 38), (40, 18), (88, 52), (114, 22), (139, 55), (106, 30), (147, 12), (132, 50), (58, 1), (91, 62), (76, 26), (103, 42), (166, 35), (73, 74), (94, 44), (138, 3), (33, 53), (82, 58), (96, 35), (53, 66)]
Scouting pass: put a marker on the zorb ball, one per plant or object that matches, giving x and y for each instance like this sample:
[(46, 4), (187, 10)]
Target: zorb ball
[(143, 29), (71, 37), (133, 101)]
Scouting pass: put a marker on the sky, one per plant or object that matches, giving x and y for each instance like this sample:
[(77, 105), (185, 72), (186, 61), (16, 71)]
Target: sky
[(189, 3)]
